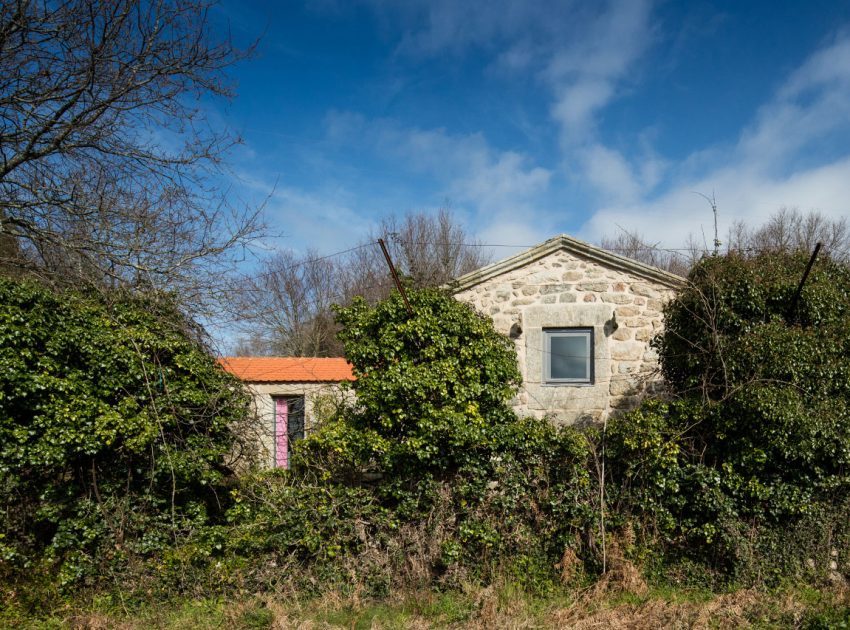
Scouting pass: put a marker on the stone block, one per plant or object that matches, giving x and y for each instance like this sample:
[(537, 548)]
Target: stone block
[(543, 277), (627, 367), (626, 311), (529, 290), (567, 297), (623, 387), (617, 298), (589, 297), (622, 334), (555, 288), (572, 276), (644, 334), (598, 287), (627, 350), (625, 402), (645, 290), (549, 299)]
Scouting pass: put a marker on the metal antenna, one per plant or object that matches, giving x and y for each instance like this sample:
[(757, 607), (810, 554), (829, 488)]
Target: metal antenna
[(713, 203)]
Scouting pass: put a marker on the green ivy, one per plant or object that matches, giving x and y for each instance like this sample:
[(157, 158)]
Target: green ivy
[(431, 387), (758, 435), (115, 426)]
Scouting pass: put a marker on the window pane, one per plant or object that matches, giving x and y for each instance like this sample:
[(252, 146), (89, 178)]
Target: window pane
[(569, 357)]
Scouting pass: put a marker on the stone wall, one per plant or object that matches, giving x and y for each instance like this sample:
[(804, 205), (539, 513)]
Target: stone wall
[(565, 290)]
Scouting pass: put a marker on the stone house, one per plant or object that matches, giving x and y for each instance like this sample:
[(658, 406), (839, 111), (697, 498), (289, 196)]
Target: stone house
[(582, 318), (289, 395)]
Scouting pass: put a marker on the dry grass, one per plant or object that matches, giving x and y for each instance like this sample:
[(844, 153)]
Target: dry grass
[(607, 604)]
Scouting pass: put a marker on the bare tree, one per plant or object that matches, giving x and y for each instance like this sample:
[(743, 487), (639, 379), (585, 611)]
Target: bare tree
[(432, 250), (634, 245), (428, 250), (790, 230), (786, 230), (106, 159), (286, 306)]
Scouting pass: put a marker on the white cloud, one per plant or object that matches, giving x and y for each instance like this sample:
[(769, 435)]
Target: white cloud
[(579, 50), (759, 174), (577, 102), (301, 218), (741, 194), (466, 168), (435, 27), (503, 194), (507, 229), (581, 53), (812, 104), (584, 71)]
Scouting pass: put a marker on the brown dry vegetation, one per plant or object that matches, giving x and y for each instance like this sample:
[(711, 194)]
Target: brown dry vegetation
[(595, 607)]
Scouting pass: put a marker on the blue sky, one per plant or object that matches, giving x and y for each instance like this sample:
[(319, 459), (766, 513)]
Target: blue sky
[(531, 119)]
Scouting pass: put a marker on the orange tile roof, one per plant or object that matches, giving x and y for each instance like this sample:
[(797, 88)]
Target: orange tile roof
[(288, 369)]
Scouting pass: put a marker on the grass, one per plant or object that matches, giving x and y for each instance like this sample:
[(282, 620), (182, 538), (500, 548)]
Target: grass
[(504, 607)]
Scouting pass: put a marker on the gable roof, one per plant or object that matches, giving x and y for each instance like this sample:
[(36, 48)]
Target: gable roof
[(288, 369), (579, 249)]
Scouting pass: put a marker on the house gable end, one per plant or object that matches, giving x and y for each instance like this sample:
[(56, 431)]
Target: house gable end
[(575, 247)]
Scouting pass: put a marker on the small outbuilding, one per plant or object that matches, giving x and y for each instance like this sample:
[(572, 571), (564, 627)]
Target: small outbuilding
[(289, 394)]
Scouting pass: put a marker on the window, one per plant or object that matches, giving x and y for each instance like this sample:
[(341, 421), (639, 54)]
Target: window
[(568, 356), (288, 427)]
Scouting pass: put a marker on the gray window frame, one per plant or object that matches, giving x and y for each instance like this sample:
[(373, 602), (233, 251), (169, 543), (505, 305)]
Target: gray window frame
[(548, 335)]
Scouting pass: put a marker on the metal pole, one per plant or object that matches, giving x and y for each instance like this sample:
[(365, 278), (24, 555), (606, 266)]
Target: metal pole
[(395, 276), (802, 282)]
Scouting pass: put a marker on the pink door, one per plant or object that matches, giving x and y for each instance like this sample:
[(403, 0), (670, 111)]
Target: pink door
[(281, 433)]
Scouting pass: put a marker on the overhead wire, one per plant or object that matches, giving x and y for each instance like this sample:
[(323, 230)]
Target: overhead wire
[(301, 263)]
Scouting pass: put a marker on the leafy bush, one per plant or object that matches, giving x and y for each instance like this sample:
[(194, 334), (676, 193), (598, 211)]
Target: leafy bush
[(431, 387), (114, 429), (515, 511), (431, 436), (759, 437)]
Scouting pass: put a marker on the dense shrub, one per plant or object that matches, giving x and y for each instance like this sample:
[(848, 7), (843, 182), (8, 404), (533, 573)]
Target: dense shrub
[(514, 511), (758, 438), (431, 435), (432, 387), (115, 429)]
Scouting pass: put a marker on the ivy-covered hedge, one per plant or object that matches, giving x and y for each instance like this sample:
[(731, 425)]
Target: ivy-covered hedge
[(115, 430), (432, 387), (432, 438), (758, 436)]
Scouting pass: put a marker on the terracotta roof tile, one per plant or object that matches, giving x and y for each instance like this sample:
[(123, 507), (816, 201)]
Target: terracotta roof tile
[(288, 369)]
